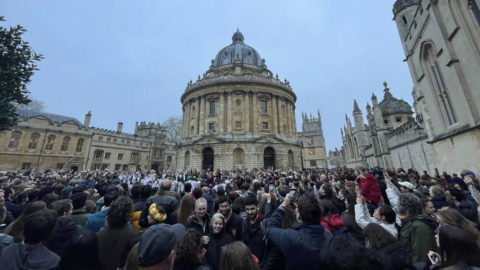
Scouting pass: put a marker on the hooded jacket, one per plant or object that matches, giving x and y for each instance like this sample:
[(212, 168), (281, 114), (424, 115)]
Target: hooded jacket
[(418, 237), (300, 245), (370, 189), (192, 223), (332, 223), (28, 257)]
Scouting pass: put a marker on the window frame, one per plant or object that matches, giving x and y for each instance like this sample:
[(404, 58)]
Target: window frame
[(14, 140), (49, 145), (263, 106), (213, 108), (265, 124), (65, 144), (33, 145), (79, 147)]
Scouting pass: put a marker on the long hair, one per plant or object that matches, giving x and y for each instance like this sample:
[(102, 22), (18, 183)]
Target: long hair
[(450, 216), (188, 249), (377, 236), (439, 192), (351, 200), (457, 246), (186, 209), (16, 228), (237, 256), (410, 206), (119, 213)]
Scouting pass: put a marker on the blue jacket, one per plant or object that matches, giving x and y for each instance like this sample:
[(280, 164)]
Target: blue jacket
[(300, 245), (97, 221)]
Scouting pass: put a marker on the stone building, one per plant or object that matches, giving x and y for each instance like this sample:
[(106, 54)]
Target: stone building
[(43, 140), (238, 115), (314, 153), (336, 159), (366, 144), (441, 41)]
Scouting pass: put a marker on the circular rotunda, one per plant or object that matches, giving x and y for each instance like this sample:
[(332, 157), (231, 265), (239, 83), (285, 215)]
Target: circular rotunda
[(238, 115)]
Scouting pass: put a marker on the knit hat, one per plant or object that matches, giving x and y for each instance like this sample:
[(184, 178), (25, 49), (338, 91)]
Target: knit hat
[(469, 173), (157, 212)]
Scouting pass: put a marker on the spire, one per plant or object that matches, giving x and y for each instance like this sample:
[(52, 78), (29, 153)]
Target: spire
[(368, 106), (355, 106), (386, 91), (369, 109)]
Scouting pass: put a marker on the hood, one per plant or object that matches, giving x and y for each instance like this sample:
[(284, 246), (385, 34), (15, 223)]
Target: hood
[(34, 257), (369, 177), (334, 221), (62, 235), (427, 220)]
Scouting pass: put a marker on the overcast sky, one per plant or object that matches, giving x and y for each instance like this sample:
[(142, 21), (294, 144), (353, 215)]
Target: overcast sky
[(130, 60)]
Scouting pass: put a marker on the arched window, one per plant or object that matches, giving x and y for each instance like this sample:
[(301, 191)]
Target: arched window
[(291, 161), (50, 143), (14, 139), (238, 157), (193, 112), (65, 143), (187, 160), (80, 145), (32, 144), (438, 84)]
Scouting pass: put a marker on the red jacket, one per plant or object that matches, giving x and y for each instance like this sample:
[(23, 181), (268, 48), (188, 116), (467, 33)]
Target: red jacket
[(332, 223), (370, 189)]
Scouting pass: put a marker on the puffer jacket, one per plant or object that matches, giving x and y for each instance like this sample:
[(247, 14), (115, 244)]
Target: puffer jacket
[(370, 188), (332, 223), (137, 211)]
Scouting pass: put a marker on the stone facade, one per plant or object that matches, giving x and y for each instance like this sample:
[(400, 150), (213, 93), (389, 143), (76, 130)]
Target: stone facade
[(314, 153), (336, 159), (238, 115), (43, 141)]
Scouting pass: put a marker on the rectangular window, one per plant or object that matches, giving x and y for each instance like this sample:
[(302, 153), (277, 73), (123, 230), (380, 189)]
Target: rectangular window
[(117, 167), (98, 154), (26, 166), (104, 166), (123, 141), (114, 140), (109, 139), (59, 166), (120, 156), (141, 144), (263, 106), (264, 126), (128, 142), (311, 151), (107, 155), (96, 166), (238, 124), (169, 159), (211, 127), (134, 157), (100, 138), (398, 119), (313, 163), (212, 107)]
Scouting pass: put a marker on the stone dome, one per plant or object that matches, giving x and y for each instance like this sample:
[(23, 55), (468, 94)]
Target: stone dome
[(238, 52), (401, 4), (391, 105)]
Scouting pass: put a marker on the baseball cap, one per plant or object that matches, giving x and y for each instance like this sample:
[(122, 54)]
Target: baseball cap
[(157, 243), (407, 185)]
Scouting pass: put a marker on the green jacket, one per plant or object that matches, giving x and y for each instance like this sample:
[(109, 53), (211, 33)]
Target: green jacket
[(418, 237)]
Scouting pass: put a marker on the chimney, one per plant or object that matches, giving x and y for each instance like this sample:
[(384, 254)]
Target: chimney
[(88, 117), (119, 127)]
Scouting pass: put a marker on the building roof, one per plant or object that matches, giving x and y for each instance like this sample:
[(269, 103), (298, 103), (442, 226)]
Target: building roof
[(238, 52), (391, 105), (401, 4), (54, 118)]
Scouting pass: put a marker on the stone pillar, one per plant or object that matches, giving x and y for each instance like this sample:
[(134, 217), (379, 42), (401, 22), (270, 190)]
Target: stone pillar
[(184, 118), (229, 111), (294, 121), (289, 118), (255, 112), (197, 117), (220, 113), (247, 112), (201, 111), (189, 117), (275, 114)]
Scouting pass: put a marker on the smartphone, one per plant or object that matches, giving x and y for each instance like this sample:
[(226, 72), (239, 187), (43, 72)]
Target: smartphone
[(271, 187), (293, 196)]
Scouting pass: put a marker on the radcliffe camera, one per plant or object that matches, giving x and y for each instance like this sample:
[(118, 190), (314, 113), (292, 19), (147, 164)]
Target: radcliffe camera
[(199, 136)]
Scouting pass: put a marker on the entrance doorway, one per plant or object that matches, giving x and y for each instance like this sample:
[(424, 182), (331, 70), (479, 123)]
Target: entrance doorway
[(74, 168), (269, 158), (208, 159), (155, 167)]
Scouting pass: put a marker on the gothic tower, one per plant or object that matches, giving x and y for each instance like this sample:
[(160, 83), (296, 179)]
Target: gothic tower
[(314, 152)]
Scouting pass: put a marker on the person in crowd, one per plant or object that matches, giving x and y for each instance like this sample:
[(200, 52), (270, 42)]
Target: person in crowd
[(97, 221), (457, 180), (457, 250), (238, 207), (31, 254), (164, 199), (79, 213), (473, 184), (300, 245), (417, 183), (5, 239), (49, 199), (326, 194), (15, 229), (233, 222), (331, 220), (439, 197), (386, 244), (189, 252), (188, 190), (145, 192), (113, 238), (253, 235), (200, 220), (450, 216), (237, 256), (216, 241), (197, 193), (343, 252), (418, 231), (186, 209), (464, 206), (156, 249), (385, 216), (210, 201), (348, 218), (369, 189)]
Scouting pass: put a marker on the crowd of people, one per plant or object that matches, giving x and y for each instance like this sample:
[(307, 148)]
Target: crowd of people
[(240, 220)]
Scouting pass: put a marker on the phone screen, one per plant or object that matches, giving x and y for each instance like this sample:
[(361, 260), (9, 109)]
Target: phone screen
[(271, 187)]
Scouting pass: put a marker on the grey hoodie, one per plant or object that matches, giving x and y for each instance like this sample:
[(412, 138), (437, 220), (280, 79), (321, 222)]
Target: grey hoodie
[(28, 257)]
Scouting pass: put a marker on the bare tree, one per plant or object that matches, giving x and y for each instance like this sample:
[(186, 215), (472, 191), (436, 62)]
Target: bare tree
[(34, 105), (173, 126)]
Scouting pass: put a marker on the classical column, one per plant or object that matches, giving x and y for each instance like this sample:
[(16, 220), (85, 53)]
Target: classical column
[(220, 114), (294, 121), (187, 133), (197, 116), (183, 120), (229, 111), (275, 114), (201, 111), (255, 112), (279, 119), (289, 119), (246, 113)]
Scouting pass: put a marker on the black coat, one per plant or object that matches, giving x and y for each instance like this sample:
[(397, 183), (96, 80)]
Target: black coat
[(399, 257), (439, 203), (253, 238), (336, 202), (162, 198), (234, 227), (468, 210), (192, 223), (352, 227), (214, 249)]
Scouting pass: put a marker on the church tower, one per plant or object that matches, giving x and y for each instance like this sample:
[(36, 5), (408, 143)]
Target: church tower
[(314, 152)]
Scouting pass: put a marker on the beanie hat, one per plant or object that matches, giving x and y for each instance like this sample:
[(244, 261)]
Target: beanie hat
[(157, 212)]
